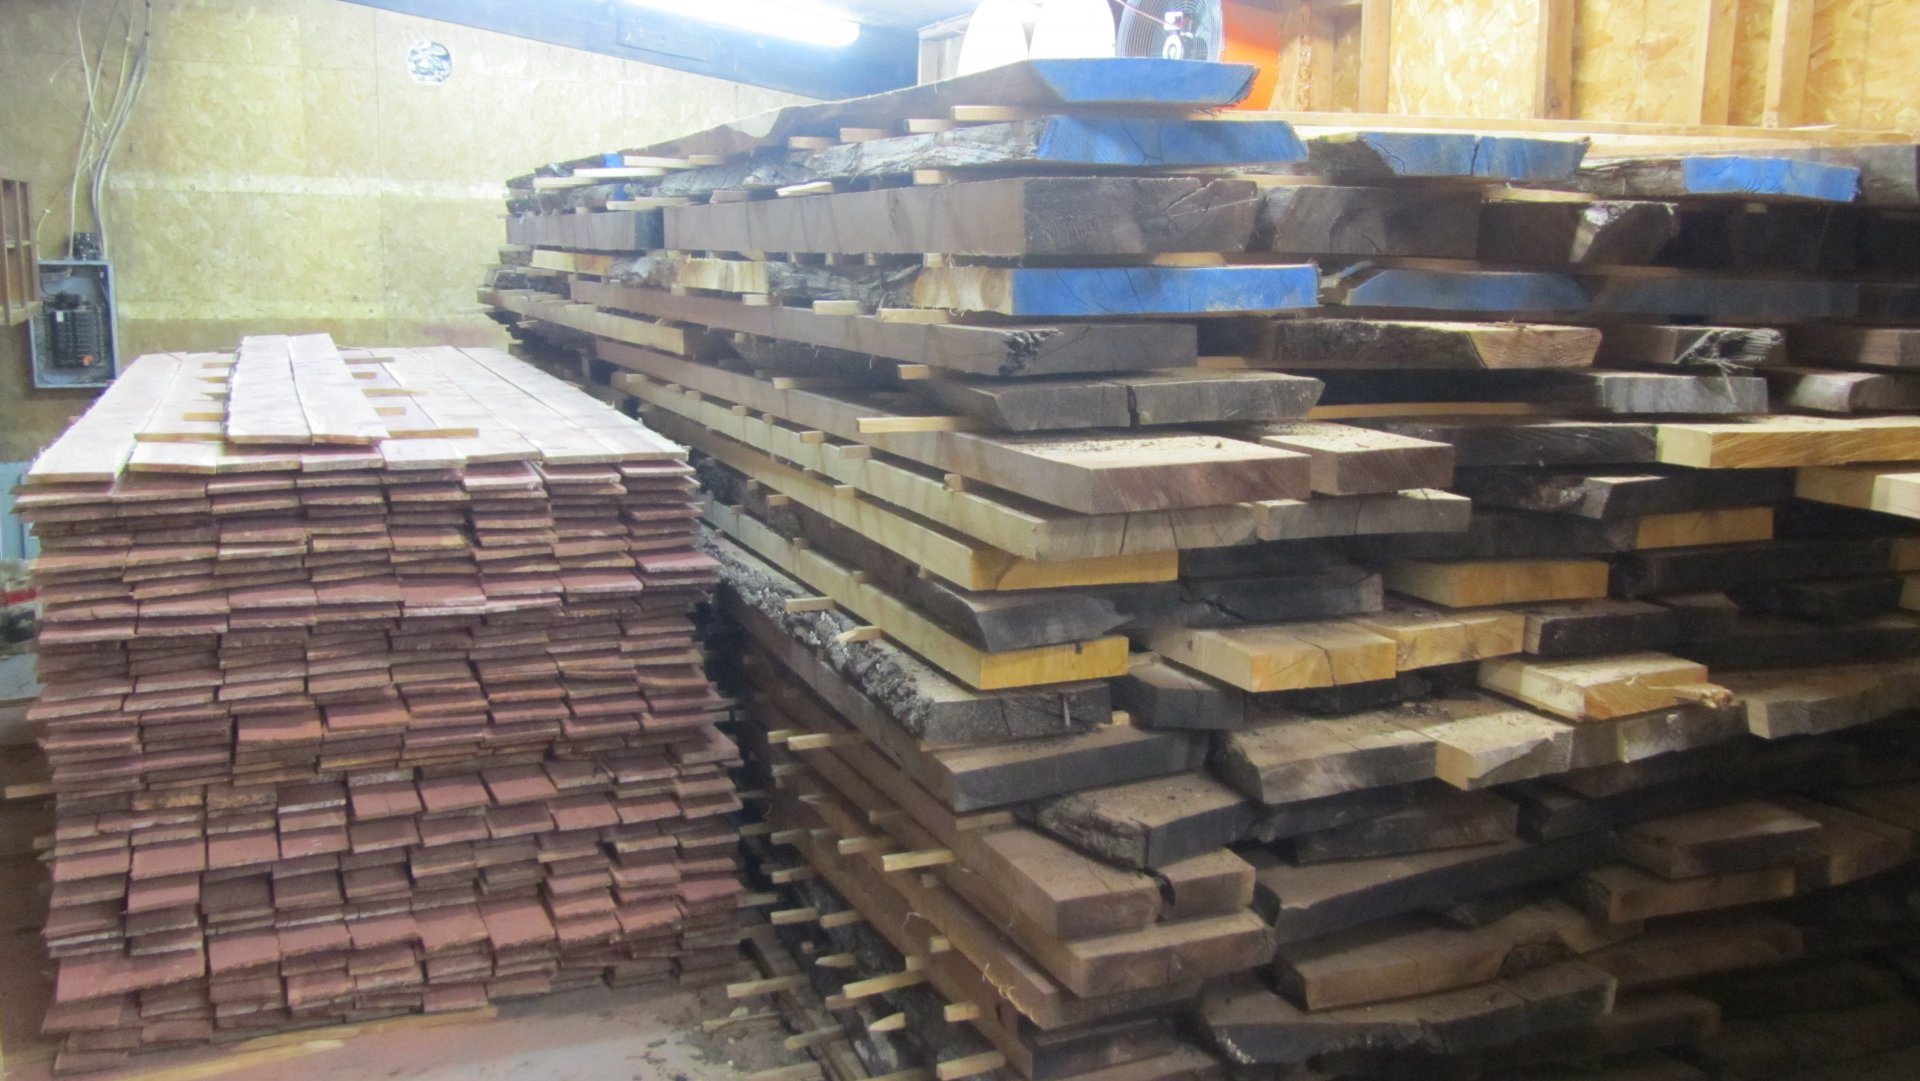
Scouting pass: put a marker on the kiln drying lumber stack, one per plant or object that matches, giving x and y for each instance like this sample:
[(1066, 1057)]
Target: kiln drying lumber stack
[(370, 689), (1213, 595)]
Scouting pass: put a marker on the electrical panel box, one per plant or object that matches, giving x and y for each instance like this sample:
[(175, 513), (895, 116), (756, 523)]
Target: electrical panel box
[(75, 336)]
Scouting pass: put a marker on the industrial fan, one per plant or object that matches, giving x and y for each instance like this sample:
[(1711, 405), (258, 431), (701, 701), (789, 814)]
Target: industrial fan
[(1233, 31)]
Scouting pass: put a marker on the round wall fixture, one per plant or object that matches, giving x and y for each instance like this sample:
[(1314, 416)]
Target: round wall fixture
[(429, 63)]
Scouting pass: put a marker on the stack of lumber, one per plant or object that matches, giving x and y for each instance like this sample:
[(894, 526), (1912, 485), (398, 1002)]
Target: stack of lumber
[(1342, 589), (370, 688)]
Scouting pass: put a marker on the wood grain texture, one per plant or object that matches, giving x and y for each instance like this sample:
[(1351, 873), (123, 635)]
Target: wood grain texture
[(1056, 216), (1094, 475), (1095, 292)]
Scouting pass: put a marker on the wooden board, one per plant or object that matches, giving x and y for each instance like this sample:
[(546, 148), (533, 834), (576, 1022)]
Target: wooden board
[(1305, 902), (1633, 345), (895, 686), (967, 563), (1601, 688), (1149, 823), (1734, 837), (1789, 441), (1143, 84), (1031, 216), (1619, 393), (1312, 219), (1087, 141), (1660, 295), (1444, 820), (1423, 955), (1594, 233), (1358, 461), (1374, 155), (1747, 176), (972, 779), (1156, 399), (1257, 1027), (1854, 347), (977, 350), (1282, 758), (1279, 657), (1369, 343), (1105, 292), (1473, 583), (1094, 474), (984, 671), (1514, 441), (1620, 893), (1813, 391), (1612, 496)]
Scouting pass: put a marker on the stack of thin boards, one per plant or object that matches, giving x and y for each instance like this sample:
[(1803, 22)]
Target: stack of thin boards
[(370, 688), (1197, 581)]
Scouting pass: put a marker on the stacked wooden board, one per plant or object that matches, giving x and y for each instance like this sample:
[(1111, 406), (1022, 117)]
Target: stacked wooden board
[(1091, 478), (370, 688)]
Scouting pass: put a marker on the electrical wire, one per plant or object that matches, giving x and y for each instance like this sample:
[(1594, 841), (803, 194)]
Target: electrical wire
[(101, 128)]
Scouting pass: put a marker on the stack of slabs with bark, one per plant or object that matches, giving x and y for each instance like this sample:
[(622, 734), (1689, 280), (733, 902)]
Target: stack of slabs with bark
[(371, 688), (1133, 691)]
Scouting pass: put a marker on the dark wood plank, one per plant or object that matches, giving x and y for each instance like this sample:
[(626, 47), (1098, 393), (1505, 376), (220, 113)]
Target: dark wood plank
[(1849, 347), (1522, 441), (1615, 496), (925, 705), (1093, 474), (1317, 219), (1588, 628), (1443, 820), (1158, 694), (1254, 1026), (1148, 823), (607, 230), (1745, 175), (1379, 155), (1740, 836), (1638, 345), (1814, 391), (980, 350), (1720, 567), (1147, 400), (1317, 899), (1590, 392), (1598, 233)]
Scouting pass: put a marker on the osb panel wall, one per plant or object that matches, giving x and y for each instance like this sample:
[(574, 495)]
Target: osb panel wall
[(1634, 60), (1464, 59), (1628, 55), (285, 172)]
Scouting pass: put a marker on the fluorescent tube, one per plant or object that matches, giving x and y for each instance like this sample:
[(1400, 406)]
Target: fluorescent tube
[(790, 21)]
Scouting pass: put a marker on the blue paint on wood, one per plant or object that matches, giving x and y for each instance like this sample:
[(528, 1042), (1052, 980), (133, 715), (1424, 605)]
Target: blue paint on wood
[(1074, 292), (1738, 174), (1419, 153), (1469, 291), (1506, 157), (1128, 142), (1143, 80)]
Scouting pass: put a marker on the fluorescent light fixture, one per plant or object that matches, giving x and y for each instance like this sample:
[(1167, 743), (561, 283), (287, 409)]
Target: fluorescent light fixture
[(791, 21)]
